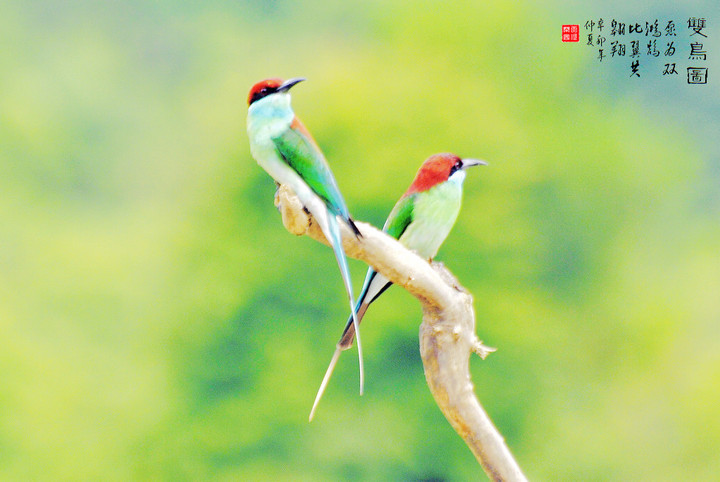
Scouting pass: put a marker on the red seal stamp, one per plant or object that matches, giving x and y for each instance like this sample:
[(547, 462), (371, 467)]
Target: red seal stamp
[(570, 33)]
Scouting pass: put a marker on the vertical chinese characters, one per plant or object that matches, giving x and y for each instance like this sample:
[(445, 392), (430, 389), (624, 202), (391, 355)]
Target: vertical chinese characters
[(697, 74), (641, 42)]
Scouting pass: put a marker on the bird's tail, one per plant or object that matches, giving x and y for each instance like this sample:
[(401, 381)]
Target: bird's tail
[(336, 241), (344, 344), (348, 335)]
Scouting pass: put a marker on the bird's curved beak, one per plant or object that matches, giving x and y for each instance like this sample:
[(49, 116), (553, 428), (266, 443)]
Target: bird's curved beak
[(289, 83), (473, 162)]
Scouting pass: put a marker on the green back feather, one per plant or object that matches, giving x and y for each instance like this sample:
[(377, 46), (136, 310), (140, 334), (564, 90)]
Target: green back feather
[(305, 158)]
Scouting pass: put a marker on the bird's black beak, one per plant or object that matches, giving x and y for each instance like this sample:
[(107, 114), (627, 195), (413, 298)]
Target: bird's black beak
[(473, 162), (290, 83)]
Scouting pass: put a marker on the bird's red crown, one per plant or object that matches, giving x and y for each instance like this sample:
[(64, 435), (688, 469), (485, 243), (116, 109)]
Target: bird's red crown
[(263, 88), (435, 169)]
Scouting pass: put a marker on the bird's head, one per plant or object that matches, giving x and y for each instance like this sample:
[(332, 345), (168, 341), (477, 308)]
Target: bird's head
[(439, 168), (270, 86)]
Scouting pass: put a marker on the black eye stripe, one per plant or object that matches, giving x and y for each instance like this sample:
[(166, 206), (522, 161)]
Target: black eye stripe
[(265, 91)]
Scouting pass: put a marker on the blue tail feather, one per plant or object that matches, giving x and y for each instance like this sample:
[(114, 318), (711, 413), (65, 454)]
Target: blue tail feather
[(336, 242)]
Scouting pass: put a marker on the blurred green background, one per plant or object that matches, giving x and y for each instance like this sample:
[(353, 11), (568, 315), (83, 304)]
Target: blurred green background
[(159, 323)]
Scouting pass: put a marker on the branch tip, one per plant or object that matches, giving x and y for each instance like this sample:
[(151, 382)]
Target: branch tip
[(482, 350)]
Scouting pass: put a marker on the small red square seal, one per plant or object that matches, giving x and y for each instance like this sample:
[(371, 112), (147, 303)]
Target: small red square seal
[(570, 33)]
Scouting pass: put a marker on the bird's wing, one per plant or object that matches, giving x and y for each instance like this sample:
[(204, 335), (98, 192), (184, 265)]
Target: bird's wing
[(397, 222), (400, 217), (303, 155)]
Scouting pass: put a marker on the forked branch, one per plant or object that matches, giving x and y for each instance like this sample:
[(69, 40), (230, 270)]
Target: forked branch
[(447, 333)]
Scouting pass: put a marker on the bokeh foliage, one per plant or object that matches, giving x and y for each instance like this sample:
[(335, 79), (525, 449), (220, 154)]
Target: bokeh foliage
[(159, 323)]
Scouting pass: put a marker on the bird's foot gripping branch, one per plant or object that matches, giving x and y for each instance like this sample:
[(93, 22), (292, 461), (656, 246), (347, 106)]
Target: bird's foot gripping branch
[(447, 333)]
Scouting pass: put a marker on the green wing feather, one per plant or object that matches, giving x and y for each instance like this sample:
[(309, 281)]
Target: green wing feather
[(400, 217), (304, 157)]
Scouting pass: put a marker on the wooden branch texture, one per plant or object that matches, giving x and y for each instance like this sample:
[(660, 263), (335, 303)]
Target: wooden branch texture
[(447, 333)]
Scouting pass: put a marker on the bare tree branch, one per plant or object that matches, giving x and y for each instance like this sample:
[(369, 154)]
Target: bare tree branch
[(447, 334)]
